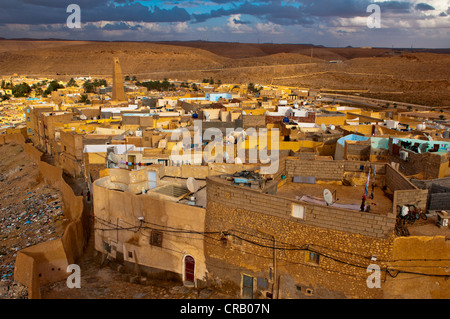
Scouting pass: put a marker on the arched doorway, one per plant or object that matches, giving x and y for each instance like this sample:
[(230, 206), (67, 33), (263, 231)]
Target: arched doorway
[(189, 270)]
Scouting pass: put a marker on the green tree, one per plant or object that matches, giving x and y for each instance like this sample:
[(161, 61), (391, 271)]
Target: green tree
[(99, 83), (53, 86), (21, 90), (84, 99), (252, 88), (442, 117), (4, 97), (127, 78), (72, 83), (88, 87)]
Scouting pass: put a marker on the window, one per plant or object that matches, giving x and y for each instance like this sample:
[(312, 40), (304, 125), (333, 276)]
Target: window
[(156, 238), (130, 254), (311, 257), (107, 247), (298, 211)]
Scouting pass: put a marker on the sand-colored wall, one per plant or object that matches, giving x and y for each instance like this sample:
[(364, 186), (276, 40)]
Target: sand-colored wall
[(47, 262), (419, 255), (123, 209)]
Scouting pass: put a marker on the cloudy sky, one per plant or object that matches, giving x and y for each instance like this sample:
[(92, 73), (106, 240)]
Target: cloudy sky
[(403, 23)]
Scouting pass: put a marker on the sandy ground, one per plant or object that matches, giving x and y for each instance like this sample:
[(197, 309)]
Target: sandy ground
[(109, 280)]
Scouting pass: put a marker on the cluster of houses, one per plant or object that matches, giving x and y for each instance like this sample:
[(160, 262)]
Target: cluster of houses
[(310, 228)]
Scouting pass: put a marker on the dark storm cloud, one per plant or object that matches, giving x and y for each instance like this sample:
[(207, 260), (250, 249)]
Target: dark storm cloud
[(274, 12), (395, 6), (424, 7), (49, 12), (299, 12), (303, 12)]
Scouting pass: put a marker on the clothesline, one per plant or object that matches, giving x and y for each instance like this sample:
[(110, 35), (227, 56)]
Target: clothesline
[(135, 164)]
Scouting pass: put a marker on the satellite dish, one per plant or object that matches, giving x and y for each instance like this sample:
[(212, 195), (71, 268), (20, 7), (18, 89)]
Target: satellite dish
[(332, 127), (323, 127), (238, 161), (207, 116), (192, 184), (243, 113), (230, 139), (73, 129), (328, 197)]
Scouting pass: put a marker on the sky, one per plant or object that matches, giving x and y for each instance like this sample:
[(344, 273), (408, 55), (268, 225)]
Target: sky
[(332, 23)]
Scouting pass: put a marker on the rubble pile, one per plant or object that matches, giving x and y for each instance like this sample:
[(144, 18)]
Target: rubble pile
[(12, 290), (35, 219)]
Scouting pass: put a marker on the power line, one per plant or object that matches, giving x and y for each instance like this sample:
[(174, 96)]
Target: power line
[(174, 230)]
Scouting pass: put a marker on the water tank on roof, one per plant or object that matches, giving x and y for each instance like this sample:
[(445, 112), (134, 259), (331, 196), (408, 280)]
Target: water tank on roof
[(286, 120), (421, 127)]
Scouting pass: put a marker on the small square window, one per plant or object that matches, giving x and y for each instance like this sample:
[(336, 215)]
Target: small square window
[(130, 254), (311, 257), (156, 238), (298, 211)]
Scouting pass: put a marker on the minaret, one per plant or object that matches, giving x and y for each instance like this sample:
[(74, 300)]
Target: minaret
[(118, 93)]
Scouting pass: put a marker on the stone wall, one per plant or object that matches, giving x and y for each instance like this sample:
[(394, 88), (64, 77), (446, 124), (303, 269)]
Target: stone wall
[(367, 224), (321, 170), (254, 121), (396, 180), (344, 241)]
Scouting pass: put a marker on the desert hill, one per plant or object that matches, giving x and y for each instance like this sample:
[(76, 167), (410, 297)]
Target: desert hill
[(420, 77)]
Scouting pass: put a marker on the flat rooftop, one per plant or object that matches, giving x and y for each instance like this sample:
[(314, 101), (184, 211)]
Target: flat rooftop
[(350, 196), (200, 194)]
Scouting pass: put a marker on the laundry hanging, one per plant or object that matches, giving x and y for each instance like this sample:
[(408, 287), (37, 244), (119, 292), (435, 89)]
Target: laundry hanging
[(135, 164)]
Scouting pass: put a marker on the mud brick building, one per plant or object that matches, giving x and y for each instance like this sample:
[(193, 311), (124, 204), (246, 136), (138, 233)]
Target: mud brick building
[(273, 245)]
